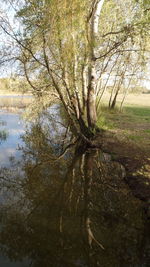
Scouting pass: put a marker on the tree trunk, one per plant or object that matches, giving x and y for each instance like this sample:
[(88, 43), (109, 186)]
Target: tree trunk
[(113, 104), (91, 100), (93, 28)]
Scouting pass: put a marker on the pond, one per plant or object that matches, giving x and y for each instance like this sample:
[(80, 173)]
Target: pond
[(75, 210)]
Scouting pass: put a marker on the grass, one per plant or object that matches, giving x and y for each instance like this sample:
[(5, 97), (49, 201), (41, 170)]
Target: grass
[(132, 124), (147, 131), (139, 112), (135, 137)]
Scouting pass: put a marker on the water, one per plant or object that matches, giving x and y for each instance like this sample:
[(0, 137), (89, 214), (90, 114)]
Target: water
[(12, 125), (75, 211)]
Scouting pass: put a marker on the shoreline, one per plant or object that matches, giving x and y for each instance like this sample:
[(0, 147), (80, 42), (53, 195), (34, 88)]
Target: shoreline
[(136, 162)]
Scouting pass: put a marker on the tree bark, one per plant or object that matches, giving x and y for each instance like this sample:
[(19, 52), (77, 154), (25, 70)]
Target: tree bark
[(92, 79), (91, 100)]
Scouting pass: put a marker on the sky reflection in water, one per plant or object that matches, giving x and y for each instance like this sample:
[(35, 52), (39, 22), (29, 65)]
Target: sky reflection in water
[(12, 124)]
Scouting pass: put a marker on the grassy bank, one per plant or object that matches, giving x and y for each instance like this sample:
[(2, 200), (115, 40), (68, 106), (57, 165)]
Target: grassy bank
[(127, 139), (132, 124)]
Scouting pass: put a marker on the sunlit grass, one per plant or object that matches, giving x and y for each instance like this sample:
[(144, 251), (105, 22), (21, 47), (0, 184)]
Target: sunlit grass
[(139, 112), (135, 137), (132, 123), (147, 131), (102, 123)]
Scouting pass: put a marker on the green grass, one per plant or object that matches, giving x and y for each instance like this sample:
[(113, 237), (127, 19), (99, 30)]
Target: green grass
[(147, 131), (138, 112), (132, 123), (129, 114), (135, 137), (103, 123)]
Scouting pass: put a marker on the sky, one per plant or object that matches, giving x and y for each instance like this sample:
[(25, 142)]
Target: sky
[(9, 12)]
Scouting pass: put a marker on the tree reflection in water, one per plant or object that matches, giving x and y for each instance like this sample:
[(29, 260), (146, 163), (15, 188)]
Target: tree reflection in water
[(3, 132), (76, 211)]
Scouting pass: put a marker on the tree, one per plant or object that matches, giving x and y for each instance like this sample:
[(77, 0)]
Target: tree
[(62, 45)]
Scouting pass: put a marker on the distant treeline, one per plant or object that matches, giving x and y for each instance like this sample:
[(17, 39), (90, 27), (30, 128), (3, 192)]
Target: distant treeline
[(14, 85)]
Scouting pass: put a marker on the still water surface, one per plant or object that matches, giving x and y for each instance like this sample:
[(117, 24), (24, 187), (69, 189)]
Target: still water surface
[(75, 211)]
